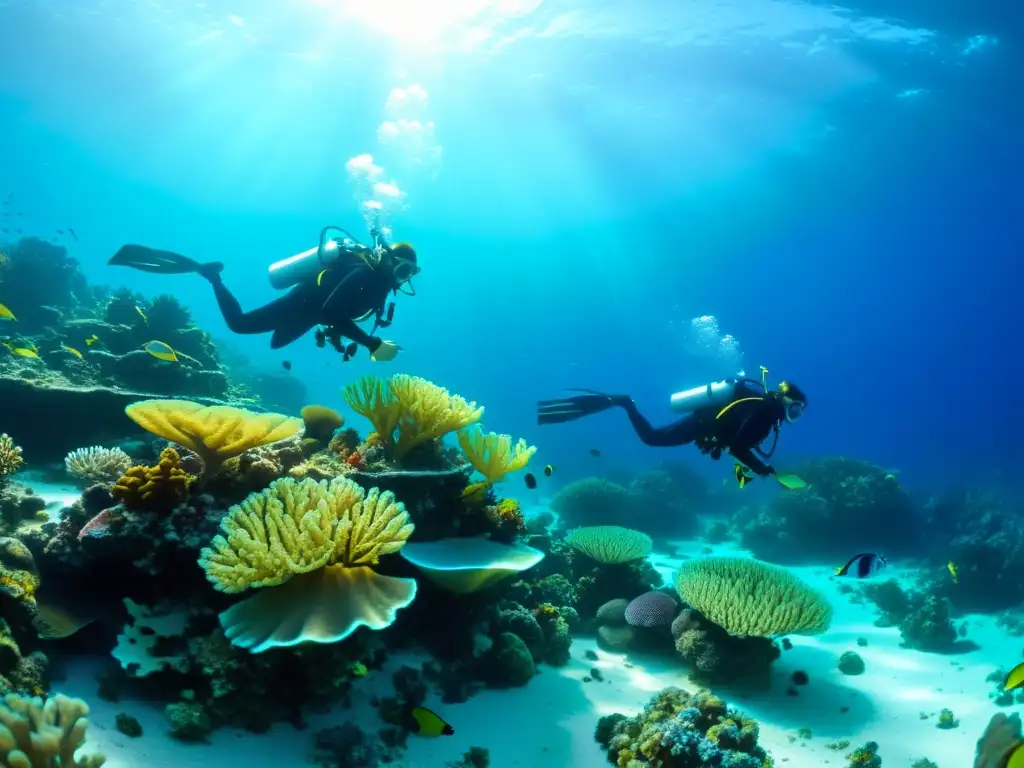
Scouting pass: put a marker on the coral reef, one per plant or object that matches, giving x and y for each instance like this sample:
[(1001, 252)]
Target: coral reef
[(850, 663), (10, 457), (846, 501), (158, 488), (34, 734), (97, 464), (715, 657), (610, 544), (314, 546), (680, 730), (747, 597), (923, 619)]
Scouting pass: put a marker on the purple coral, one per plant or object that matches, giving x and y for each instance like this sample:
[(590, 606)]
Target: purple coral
[(651, 610)]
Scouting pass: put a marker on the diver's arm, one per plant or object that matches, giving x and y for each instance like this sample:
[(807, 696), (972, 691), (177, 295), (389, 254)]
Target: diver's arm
[(746, 457)]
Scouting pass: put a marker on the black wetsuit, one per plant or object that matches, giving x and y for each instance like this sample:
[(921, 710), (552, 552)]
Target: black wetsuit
[(347, 290), (740, 430)]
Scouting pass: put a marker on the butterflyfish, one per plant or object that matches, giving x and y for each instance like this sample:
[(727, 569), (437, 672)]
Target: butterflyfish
[(429, 724)]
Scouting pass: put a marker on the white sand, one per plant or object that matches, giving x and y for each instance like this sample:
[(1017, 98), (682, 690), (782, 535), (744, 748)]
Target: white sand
[(550, 723), (56, 495)]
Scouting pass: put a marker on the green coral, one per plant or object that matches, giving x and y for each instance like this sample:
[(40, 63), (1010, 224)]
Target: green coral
[(610, 544), (751, 598)]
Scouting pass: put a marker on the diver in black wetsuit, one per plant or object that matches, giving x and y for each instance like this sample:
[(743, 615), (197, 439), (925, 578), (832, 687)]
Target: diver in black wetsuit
[(334, 285), (735, 416)]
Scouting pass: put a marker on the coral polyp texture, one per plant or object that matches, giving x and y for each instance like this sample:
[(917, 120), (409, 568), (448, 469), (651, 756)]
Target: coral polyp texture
[(38, 735), (215, 433), (610, 544), (10, 456), (315, 544), (97, 464), (751, 598), (681, 730), (419, 410), (157, 488)]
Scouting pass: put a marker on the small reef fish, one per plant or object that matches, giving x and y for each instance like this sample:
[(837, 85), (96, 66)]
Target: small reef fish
[(548, 470), (531, 481), (72, 350), (142, 314), (429, 724), (286, 364), (22, 351), (358, 669), (1015, 679), (951, 567), (92, 340), (72, 233), (862, 566), (594, 452), (162, 351), (6, 314)]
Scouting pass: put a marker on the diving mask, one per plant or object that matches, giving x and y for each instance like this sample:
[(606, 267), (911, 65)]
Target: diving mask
[(794, 408)]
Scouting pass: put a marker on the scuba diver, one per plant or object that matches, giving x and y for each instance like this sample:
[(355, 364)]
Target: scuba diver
[(734, 415), (334, 285)]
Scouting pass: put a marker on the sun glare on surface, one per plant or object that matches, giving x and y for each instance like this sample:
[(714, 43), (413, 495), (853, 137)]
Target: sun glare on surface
[(437, 23)]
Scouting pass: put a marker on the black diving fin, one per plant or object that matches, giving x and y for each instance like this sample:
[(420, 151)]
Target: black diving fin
[(158, 262), (572, 408)]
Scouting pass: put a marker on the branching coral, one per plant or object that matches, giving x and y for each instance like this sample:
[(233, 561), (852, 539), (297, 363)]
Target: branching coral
[(97, 464), (419, 410), (10, 456), (215, 433), (316, 543), (717, 657), (610, 543), (493, 455), (748, 597), (158, 488), (38, 735)]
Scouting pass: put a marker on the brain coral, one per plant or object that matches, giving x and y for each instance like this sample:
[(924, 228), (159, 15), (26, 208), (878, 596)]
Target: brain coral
[(748, 597), (651, 609)]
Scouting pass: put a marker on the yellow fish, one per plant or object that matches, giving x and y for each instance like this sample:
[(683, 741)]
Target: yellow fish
[(22, 351), (72, 350), (952, 571), (92, 340), (142, 314), (1015, 679), (6, 314), (161, 351), (429, 724)]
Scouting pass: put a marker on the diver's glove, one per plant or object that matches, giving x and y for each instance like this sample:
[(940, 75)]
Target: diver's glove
[(385, 352)]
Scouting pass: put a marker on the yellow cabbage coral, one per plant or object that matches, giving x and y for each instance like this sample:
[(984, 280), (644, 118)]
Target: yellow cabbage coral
[(428, 412), (215, 432), (493, 455), (610, 543), (10, 456), (751, 598), (419, 410), (315, 543)]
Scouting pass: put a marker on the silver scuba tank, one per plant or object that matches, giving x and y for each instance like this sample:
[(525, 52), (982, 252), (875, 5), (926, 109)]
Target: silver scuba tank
[(310, 263), (716, 394)]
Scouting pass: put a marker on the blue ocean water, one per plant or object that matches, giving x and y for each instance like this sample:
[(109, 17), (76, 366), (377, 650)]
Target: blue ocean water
[(636, 198)]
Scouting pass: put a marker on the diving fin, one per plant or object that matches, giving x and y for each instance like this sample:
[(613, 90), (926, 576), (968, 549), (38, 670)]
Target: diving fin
[(791, 482), (572, 408), (160, 262)]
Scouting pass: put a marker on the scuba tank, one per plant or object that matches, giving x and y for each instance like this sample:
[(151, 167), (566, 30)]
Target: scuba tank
[(310, 263), (716, 394)]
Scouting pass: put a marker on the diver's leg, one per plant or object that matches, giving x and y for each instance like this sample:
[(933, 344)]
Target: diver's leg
[(261, 320), (679, 432)]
